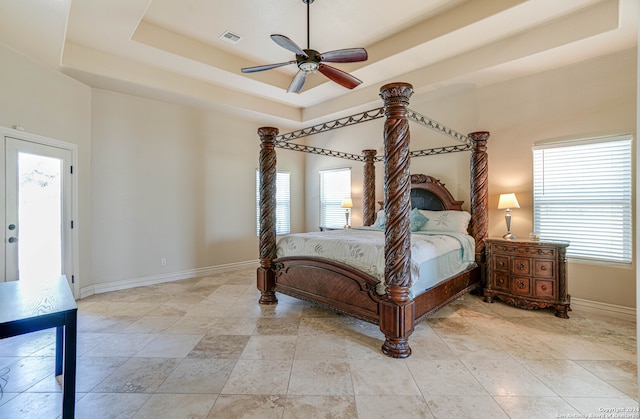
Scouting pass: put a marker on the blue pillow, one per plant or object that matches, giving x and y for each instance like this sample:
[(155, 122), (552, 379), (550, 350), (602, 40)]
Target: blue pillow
[(417, 220)]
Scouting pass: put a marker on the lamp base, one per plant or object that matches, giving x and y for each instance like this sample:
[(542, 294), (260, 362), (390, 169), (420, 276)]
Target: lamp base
[(507, 218)]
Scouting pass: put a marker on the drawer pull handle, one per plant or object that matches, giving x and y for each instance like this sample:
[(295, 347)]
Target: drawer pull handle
[(521, 284), (521, 266), (543, 268), (501, 281), (544, 287), (500, 263)]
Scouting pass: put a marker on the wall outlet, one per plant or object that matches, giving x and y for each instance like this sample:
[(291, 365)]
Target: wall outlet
[(163, 261)]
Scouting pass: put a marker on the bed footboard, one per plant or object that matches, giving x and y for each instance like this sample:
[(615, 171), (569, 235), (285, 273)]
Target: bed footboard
[(331, 284)]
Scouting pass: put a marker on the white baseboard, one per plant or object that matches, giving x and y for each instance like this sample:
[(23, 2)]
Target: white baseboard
[(161, 278), (620, 312)]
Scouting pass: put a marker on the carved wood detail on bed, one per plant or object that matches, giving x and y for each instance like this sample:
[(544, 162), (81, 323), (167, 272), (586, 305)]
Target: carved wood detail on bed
[(369, 188), (436, 197), (265, 275), (479, 225), (331, 284), (397, 313), (429, 193)]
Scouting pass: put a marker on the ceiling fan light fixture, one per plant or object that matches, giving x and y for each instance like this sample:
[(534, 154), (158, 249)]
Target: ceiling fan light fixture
[(308, 66)]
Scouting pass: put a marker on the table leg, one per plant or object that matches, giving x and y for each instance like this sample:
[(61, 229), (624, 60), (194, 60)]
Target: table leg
[(69, 378), (59, 349)]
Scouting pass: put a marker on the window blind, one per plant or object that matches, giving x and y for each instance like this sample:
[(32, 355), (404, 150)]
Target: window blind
[(283, 202), (335, 185), (582, 193)]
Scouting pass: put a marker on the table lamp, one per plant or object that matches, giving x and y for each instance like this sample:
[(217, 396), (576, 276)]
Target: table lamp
[(347, 204), (508, 201)]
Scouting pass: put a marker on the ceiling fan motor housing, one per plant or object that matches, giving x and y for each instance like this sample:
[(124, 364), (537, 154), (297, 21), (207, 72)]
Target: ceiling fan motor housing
[(310, 63)]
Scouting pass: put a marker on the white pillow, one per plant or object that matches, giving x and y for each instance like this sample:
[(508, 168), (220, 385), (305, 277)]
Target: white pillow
[(380, 221), (446, 221)]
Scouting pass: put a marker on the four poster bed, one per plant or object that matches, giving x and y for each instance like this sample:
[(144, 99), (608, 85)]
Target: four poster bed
[(387, 300)]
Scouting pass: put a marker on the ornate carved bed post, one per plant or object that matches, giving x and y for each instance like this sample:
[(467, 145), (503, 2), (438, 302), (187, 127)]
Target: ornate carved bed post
[(266, 276), (479, 192), (369, 188), (397, 308)]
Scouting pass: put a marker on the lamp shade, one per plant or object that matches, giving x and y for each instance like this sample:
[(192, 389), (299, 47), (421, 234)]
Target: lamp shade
[(508, 200), (347, 203)]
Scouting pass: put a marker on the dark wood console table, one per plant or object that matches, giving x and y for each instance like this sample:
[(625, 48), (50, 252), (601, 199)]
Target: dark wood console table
[(29, 307)]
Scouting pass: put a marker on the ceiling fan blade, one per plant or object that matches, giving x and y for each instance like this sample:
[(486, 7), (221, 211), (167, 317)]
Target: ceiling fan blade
[(265, 67), (349, 55), (339, 76), (287, 43), (297, 82)]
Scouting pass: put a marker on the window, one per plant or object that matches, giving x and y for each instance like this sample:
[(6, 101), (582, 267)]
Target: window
[(582, 193), (335, 185), (283, 202)]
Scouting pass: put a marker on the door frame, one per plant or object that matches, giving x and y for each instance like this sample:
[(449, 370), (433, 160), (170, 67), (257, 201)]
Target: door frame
[(74, 234)]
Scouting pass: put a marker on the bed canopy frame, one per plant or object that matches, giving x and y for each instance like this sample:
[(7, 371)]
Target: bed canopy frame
[(396, 312)]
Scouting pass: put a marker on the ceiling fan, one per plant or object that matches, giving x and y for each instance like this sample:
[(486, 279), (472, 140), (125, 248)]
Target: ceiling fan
[(309, 60)]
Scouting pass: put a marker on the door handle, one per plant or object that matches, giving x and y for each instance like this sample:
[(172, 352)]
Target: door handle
[(13, 239)]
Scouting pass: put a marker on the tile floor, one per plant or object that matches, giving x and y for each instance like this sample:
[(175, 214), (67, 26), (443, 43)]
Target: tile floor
[(204, 348)]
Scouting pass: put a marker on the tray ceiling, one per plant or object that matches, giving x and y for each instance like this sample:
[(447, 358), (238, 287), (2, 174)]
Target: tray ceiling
[(171, 49)]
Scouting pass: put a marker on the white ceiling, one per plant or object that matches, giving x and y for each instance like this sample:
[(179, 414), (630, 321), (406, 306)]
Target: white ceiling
[(170, 49)]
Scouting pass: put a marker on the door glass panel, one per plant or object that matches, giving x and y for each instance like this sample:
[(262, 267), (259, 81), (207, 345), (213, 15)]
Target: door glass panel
[(40, 217)]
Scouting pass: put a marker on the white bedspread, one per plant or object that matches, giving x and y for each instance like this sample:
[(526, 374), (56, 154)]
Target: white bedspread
[(434, 256)]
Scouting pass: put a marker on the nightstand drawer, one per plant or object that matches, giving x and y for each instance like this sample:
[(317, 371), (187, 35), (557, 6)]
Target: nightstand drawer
[(521, 266), (532, 250), (545, 289), (501, 281), (544, 268), (540, 251), (521, 285), (507, 249), (501, 263)]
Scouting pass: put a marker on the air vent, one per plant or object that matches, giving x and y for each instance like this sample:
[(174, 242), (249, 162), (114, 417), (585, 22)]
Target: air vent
[(230, 37)]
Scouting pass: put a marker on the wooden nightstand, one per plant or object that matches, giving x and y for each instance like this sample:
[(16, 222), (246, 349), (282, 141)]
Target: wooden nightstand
[(528, 274)]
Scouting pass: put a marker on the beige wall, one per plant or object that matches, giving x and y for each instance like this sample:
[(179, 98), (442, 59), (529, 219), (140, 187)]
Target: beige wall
[(163, 180), (177, 183), (587, 99), (46, 102)]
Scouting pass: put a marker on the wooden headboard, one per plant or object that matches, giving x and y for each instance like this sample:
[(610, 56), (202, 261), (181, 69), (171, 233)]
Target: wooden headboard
[(429, 193)]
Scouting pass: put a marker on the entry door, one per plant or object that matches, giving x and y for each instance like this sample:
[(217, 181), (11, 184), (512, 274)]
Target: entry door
[(37, 211)]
